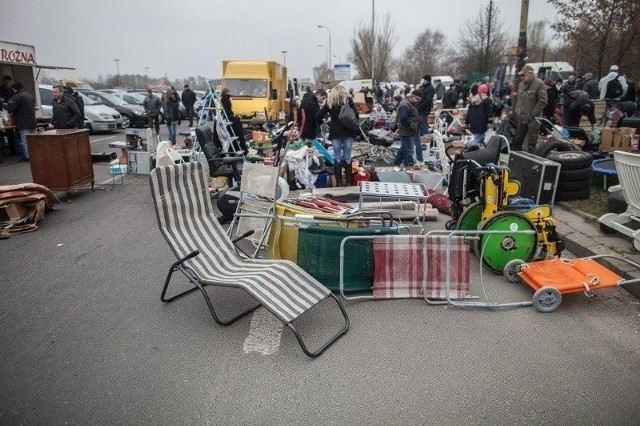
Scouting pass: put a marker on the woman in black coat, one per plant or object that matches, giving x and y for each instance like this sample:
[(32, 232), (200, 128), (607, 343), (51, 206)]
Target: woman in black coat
[(341, 137), (480, 110)]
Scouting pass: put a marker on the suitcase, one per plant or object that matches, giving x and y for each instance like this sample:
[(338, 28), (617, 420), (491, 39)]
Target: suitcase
[(538, 176)]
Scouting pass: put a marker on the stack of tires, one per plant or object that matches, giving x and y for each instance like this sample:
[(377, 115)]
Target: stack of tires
[(574, 182)]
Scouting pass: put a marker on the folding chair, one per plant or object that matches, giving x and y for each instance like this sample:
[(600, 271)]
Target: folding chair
[(260, 188), (207, 256)]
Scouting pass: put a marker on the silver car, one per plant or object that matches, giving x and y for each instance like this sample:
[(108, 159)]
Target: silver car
[(97, 117)]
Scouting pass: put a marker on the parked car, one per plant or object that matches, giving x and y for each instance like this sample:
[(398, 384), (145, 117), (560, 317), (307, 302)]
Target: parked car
[(97, 116), (182, 109), (130, 97), (132, 115)]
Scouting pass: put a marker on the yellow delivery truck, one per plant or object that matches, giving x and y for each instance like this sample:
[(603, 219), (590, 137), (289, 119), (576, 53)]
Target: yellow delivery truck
[(258, 89)]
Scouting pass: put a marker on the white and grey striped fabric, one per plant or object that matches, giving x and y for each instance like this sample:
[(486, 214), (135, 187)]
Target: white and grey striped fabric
[(187, 222)]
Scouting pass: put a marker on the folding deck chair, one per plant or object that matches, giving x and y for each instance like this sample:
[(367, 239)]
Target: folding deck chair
[(207, 256)]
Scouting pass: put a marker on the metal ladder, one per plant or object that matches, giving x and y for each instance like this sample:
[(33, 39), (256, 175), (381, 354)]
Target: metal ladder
[(212, 103)]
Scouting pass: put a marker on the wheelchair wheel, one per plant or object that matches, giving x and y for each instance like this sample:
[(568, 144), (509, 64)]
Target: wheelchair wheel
[(470, 217), (499, 249), (469, 221)]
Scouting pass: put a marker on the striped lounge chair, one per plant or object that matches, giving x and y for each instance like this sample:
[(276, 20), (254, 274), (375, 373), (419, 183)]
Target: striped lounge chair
[(207, 256)]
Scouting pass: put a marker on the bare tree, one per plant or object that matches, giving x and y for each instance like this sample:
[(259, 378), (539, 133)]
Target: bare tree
[(322, 73), (482, 42), (602, 32), (538, 43), (362, 47), (423, 57)]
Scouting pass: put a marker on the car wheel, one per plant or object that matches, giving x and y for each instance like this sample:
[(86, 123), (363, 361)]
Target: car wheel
[(573, 195), (571, 160), (577, 174), (126, 121), (574, 185), (545, 148)]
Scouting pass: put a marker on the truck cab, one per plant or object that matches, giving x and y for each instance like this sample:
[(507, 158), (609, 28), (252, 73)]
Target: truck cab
[(258, 89)]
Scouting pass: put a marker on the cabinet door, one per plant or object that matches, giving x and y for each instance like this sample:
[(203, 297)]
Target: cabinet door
[(77, 151), (48, 162)]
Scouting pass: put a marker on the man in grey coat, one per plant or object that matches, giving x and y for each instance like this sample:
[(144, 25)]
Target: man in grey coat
[(152, 106), (530, 101)]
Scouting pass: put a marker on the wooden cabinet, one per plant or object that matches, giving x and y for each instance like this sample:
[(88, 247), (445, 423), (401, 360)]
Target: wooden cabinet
[(61, 159)]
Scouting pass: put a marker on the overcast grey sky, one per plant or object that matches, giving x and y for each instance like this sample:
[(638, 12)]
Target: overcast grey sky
[(190, 37)]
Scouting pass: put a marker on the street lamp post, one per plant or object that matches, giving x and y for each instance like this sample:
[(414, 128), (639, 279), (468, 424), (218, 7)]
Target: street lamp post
[(117, 61), (284, 57), (326, 53), (328, 29)]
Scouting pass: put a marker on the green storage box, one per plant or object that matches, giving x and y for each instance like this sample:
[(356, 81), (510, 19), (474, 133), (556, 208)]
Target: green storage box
[(319, 255)]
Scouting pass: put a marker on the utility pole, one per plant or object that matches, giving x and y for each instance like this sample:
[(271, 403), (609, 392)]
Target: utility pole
[(373, 40), (521, 51), (146, 75)]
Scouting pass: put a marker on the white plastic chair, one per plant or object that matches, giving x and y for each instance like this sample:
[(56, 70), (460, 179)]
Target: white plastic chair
[(167, 156)]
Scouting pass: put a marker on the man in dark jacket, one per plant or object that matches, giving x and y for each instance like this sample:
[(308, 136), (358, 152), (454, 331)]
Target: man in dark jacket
[(530, 101), (77, 98), (65, 111), (590, 85), (152, 106), (576, 109), (408, 128), (426, 103), (450, 98), (311, 105), (188, 99), (549, 111), (23, 106)]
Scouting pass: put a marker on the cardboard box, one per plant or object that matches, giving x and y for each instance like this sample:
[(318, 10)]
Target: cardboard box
[(607, 138), (12, 212), (626, 138)]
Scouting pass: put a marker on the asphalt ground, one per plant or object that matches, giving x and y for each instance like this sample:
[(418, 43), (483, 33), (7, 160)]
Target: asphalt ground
[(86, 340)]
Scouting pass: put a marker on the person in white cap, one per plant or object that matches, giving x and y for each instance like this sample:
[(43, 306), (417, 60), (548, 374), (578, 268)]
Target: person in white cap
[(613, 85)]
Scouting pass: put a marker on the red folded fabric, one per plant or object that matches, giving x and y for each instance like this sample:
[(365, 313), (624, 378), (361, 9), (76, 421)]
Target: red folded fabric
[(398, 266), (403, 265), (458, 267)]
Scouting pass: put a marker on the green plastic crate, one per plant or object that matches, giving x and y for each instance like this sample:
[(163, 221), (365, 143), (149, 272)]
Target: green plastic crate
[(319, 255)]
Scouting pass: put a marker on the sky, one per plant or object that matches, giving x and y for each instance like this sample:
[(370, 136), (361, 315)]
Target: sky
[(190, 37)]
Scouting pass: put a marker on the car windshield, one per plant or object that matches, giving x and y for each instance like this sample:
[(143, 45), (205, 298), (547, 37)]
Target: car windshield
[(89, 101), (247, 88), (132, 98), (113, 99)]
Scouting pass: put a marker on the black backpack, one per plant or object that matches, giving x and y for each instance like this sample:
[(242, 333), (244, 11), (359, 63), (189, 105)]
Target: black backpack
[(614, 89)]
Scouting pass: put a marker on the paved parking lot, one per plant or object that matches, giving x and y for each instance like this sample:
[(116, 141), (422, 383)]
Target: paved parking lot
[(86, 340)]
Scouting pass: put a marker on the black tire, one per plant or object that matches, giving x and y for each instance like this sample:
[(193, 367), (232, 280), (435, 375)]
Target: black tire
[(126, 122), (571, 160), (545, 148), (616, 203), (573, 185), (577, 174), (573, 195)]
